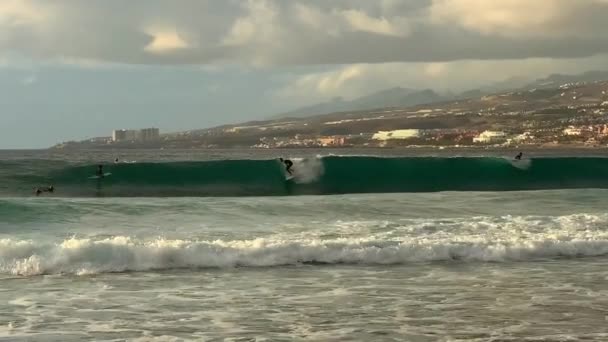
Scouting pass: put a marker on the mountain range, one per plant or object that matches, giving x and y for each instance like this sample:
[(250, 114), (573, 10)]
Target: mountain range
[(407, 97)]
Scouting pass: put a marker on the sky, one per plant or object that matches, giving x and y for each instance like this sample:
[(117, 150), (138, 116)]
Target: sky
[(70, 69)]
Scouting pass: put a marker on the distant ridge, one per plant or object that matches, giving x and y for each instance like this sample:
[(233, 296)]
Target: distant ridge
[(393, 97), (406, 97), (557, 79)]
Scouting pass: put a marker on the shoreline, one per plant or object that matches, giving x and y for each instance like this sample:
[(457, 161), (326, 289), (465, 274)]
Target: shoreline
[(409, 147)]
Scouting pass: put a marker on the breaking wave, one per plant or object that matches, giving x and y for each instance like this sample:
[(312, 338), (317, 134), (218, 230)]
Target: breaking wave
[(123, 254), (319, 176)]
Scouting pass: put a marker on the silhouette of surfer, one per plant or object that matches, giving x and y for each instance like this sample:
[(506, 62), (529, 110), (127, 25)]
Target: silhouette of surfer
[(518, 156), (39, 191), (99, 171), (288, 164)]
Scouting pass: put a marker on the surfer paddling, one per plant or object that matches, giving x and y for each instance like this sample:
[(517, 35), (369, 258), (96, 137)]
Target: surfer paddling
[(288, 164), (39, 191)]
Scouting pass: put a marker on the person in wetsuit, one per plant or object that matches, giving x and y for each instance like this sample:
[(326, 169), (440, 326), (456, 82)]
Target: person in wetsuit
[(39, 191), (288, 164), (518, 156), (99, 171)]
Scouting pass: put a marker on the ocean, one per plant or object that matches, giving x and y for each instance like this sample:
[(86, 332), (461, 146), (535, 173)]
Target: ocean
[(361, 245)]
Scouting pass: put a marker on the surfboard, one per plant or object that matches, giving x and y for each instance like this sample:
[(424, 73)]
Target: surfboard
[(288, 177), (97, 176)]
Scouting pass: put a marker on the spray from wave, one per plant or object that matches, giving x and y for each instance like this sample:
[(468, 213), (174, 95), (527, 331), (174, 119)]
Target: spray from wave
[(307, 170), (121, 253)]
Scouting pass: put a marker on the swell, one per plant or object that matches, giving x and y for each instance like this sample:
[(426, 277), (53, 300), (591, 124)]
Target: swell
[(124, 254), (327, 175)]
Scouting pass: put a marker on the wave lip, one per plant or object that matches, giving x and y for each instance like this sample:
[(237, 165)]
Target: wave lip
[(313, 176), (122, 254)]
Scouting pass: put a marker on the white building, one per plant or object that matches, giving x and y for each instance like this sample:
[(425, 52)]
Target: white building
[(124, 135), (572, 131), (135, 135), (525, 136), (490, 137), (118, 135), (149, 134), (396, 134)]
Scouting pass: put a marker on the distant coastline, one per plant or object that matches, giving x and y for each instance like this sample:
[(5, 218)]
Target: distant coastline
[(572, 115)]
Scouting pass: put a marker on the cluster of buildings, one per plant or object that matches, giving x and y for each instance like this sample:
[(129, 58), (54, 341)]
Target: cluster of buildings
[(398, 134), (304, 141), (586, 134), (146, 134)]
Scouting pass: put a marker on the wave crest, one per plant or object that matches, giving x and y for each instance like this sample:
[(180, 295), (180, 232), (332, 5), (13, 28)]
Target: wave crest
[(122, 253), (320, 175)]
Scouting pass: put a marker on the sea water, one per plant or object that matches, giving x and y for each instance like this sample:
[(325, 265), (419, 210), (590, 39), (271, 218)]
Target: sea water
[(429, 265)]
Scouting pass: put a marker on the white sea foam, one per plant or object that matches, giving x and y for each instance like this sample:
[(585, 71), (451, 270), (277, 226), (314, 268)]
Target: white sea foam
[(121, 253), (307, 170), (523, 164)]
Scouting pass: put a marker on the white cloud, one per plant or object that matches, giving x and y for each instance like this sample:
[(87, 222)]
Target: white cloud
[(347, 81), (311, 17), (257, 26), (23, 20), (165, 41), (435, 69), (514, 18), (360, 21), (21, 13), (334, 82)]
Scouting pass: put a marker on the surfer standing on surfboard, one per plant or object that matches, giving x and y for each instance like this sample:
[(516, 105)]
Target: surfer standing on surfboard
[(518, 157), (288, 164), (100, 171)]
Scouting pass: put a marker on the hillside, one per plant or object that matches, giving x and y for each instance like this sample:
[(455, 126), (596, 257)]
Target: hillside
[(556, 80), (394, 97), (407, 97), (541, 112)]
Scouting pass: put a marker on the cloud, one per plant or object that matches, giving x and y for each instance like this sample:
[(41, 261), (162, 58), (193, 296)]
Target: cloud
[(435, 69), (21, 13), (165, 41), (361, 21), (295, 32), (339, 21), (517, 18), (257, 26), (335, 81)]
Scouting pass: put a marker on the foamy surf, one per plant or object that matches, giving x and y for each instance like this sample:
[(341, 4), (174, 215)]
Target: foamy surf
[(457, 264), (123, 253)]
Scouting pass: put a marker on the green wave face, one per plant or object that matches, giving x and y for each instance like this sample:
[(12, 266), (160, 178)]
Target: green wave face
[(328, 175)]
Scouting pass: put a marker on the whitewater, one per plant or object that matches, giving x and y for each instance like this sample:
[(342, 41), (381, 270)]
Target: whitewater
[(383, 246)]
